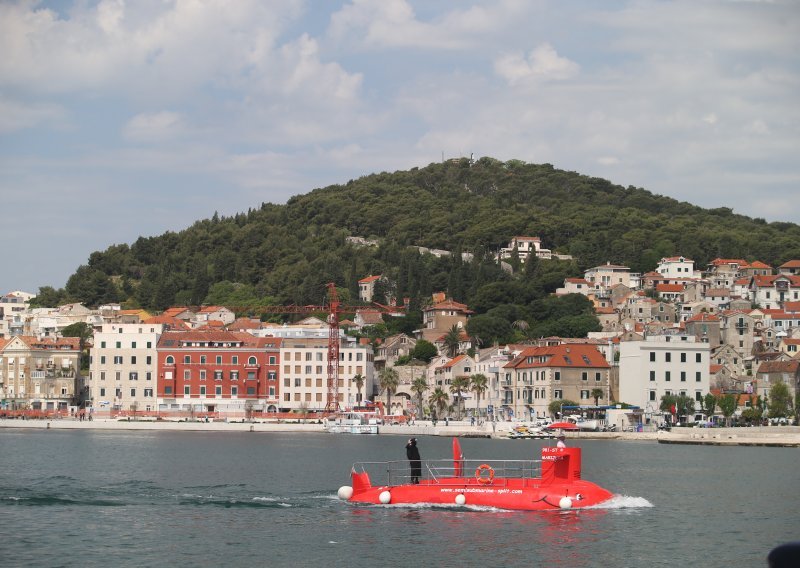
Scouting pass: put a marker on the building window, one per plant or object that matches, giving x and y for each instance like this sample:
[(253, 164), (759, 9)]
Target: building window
[(652, 395), (667, 376), (652, 375), (251, 391), (298, 382), (597, 377), (187, 375), (202, 359), (234, 375), (102, 392), (170, 360), (133, 376), (187, 359), (234, 360), (119, 343), (187, 390), (584, 376), (652, 355), (133, 393), (557, 376), (234, 391), (218, 390), (251, 375), (683, 376), (698, 357), (118, 359), (584, 395), (148, 393), (272, 375), (102, 360), (133, 359), (203, 391), (149, 360), (167, 390), (133, 345), (272, 360), (557, 394), (683, 357), (251, 361), (697, 376), (219, 359), (668, 357), (103, 344), (148, 376), (102, 375)]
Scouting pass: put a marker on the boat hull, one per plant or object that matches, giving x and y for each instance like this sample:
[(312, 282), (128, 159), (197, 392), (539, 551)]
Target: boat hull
[(511, 494)]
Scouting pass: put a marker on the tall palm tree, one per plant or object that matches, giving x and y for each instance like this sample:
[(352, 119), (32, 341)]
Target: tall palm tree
[(358, 380), (388, 379), (452, 341), (418, 387), (457, 387), (478, 384), (439, 399), (597, 394)]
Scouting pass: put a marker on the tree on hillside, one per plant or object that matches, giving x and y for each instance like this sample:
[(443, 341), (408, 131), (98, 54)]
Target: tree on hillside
[(727, 405), (556, 407), (459, 387), (358, 381), (452, 341), (424, 351), (479, 384), (439, 400), (597, 393), (418, 387), (780, 402), (388, 380)]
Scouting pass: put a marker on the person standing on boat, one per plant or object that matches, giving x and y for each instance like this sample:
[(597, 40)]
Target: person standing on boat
[(561, 443), (412, 453)]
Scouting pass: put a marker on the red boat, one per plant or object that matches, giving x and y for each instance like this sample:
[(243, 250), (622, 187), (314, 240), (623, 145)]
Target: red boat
[(554, 482)]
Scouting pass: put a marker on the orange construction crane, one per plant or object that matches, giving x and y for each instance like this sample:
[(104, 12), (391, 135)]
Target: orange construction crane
[(334, 309)]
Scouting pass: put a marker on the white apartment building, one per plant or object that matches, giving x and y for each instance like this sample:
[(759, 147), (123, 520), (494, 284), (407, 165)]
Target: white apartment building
[(676, 267), (663, 365), (526, 246), (305, 373), (607, 275), (123, 367)]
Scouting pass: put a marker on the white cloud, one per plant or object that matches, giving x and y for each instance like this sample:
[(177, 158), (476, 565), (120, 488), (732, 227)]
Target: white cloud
[(154, 127), (541, 64), (18, 115)]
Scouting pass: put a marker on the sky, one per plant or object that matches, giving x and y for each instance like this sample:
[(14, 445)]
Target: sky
[(121, 119)]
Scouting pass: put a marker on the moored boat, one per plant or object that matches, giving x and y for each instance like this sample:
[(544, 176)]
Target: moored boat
[(353, 423), (554, 482)]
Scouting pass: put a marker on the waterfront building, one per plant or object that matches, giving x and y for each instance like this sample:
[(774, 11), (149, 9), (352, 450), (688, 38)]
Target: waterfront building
[(218, 371), (541, 375), (440, 317), (663, 365), (39, 373), (123, 368), (304, 374)]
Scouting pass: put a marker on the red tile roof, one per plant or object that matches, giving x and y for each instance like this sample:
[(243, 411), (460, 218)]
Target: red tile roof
[(669, 288), (169, 321), (779, 366), (759, 264), (369, 279), (791, 264), (703, 316), (569, 356)]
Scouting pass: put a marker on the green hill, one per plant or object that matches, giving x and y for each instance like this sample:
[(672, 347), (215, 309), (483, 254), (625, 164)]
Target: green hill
[(286, 253)]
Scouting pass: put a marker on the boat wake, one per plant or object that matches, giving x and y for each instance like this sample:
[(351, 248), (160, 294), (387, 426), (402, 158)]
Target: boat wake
[(623, 502)]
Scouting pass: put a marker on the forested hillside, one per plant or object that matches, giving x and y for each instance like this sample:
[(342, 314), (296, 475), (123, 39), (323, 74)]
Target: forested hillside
[(286, 253)]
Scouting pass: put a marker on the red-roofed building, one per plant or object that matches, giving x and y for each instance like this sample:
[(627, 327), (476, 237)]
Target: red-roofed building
[(212, 371), (540, 375), (790, 345), (366, 287), (670, 292), (180, 312), (757, 268), (169, 322), (213, 313), (440, 317), (40, 373), (705, 328), (771, 292), (791, 267), (676, 267), (772, 372)]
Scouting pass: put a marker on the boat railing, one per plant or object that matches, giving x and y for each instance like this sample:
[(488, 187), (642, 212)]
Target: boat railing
[(445, 472)]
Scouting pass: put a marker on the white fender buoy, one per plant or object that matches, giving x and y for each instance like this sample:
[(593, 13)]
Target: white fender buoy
[(460, 499), (345, 492), (565, 503), (385, 497)]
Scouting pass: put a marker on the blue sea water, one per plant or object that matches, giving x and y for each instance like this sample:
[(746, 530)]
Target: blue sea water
[(99, 498)]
